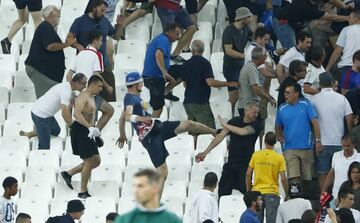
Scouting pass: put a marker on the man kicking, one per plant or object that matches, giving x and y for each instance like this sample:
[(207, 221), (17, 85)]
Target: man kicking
[(84, 136), (152, 133)]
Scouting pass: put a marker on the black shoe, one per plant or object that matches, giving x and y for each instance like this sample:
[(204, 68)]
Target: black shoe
[(66, 179), (171, 97), (177, 59), (6, 46), (84, 195)]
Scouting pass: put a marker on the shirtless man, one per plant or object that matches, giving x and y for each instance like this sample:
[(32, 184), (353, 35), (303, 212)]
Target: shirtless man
[(152, 133), (84, 136)]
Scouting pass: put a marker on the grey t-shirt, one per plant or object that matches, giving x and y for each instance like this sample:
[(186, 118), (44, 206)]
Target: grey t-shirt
[(238, 38), (249, 76)]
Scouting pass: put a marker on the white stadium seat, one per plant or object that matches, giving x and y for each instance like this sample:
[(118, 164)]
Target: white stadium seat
[(22, 94), (44, 158)]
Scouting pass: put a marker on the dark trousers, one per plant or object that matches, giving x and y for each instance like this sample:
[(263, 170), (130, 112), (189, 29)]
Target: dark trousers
[(233, 176)]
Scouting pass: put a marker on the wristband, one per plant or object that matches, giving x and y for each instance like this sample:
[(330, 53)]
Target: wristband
[(133, 118)]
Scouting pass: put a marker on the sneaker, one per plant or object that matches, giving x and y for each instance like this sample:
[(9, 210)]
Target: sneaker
[(6, 46), (66, 179), (84, 195), (177, 59), (171, 97)]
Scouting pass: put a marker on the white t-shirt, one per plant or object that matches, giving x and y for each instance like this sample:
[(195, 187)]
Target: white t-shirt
[(50, 103), (297, 206), (349, 40), (87, 62), (312, 77), (204, 206), (331, 108), (291, 55), (7, 210), (341, 164), (355, 213)]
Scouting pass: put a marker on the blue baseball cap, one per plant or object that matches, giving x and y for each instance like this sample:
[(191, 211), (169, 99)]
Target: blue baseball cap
[(133, 78)]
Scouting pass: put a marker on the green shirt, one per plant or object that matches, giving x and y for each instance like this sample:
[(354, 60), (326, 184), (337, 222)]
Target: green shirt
[(143, 215)]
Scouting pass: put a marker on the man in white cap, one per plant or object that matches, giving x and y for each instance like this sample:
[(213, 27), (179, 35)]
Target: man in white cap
[(234, 40), (152, 133)]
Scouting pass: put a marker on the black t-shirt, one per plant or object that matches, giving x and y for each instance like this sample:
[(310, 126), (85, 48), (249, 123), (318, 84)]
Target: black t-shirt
[(195, 71), (238, 39), (49, 63), (281, 96), (300, 11), (241, 148)]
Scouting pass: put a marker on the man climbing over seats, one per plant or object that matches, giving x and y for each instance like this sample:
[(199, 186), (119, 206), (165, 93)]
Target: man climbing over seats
[(152, 133)]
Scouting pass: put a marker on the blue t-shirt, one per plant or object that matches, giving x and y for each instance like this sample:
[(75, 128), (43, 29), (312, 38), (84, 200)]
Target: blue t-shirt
[(84, 24), (151, 68), (249, 216), (350, 79), (195, 71), (295, 121), (139, 106)]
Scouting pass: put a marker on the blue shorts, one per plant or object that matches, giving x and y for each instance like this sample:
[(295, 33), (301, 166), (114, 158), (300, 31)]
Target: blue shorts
[(323, 159), (232, 74), (154, 143), (168, 16)]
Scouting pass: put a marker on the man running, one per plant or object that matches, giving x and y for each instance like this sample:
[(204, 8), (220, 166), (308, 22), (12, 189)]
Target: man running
[(85, 136), (152, 133)]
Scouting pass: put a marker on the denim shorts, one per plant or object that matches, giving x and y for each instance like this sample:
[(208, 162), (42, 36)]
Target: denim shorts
[(154, 143), (232, 74), (180, 16), (323, 159)]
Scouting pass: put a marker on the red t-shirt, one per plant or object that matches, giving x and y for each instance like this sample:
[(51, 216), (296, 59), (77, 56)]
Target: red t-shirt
[(168, 4)]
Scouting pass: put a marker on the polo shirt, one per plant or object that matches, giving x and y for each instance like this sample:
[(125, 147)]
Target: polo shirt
[(331, 108), (249, 76), (195, 71), (348, 39), (350, 80), (312, 76), (151, 69), (295, 120), (84, 24), (238, 38), (341, 164), (49, 63), (292, 54), (249, 216), (87, 62), (50, 103)]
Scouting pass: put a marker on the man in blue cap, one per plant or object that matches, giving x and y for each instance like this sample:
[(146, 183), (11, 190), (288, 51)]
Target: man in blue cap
[(152, 133)]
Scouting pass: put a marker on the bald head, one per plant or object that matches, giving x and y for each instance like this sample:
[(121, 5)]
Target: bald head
[(197, 47)]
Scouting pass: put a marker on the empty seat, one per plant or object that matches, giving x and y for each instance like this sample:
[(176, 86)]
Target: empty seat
[(63, 192), (105, 189), (130, 172), (134, 46), (6, 78), (21, 65), (44, 158), (22, 94), (70, 160), (37, 208), (204, 32), (231, 204), (128, 61), (177, 112), (6, 171), (207, 14), (107, 173), (56, 144), (19, 111), (22, 80), (199, 171), (98, 204), (178, 172), (36, 191), (40, 174), (174, 205), (90, 217), (19, 143), (8, 62), (4, 96), (110, 142), (112, 157), (139, 157), (175, 189), (58, 206), (134, 29), (10, 158)]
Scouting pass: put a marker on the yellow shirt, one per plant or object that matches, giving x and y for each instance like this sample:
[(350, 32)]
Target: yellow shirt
[(267, 164)]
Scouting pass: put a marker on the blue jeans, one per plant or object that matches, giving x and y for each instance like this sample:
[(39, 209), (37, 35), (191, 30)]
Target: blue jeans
[(323, 159), (45, 127), (285, 33), (271, 203)]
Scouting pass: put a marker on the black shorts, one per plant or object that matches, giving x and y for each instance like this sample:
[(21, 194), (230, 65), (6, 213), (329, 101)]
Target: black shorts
[(156, 87), (191, 6), (32, 5), (154, 143), (81, 144), (175, 71)]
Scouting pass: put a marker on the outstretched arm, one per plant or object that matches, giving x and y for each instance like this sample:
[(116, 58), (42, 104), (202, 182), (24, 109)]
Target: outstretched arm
[(216, 141)]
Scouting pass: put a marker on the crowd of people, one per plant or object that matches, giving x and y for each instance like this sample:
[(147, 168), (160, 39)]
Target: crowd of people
[(305, 51)]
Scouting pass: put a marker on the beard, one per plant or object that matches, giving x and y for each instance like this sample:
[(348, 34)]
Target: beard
[(258, 207)]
